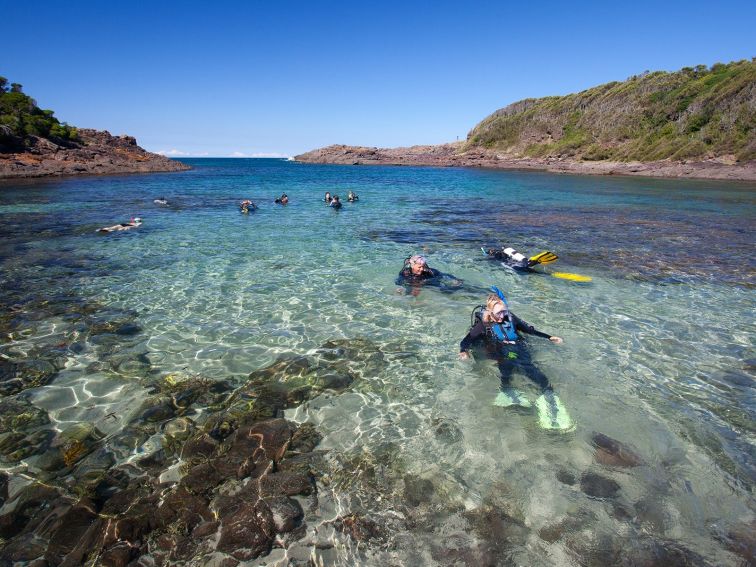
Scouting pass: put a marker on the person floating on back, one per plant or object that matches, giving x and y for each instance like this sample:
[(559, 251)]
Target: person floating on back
[(133, 223), (161, 201), (499, 331), (517, 261)]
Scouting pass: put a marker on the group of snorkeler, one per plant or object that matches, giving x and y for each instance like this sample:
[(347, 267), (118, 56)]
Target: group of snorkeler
[(335, 201), (498, 334)]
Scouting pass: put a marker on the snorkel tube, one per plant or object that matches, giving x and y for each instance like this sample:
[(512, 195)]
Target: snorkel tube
[(498, 292), (506, 333)]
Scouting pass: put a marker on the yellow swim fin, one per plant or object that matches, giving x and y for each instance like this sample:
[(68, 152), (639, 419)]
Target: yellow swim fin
[(543, 258), (572, 277)]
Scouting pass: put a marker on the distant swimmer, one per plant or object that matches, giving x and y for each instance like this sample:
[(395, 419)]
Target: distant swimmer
[(352, 197), (246, 206), (282, 200), (327, 198), (133, 223), (161, 201), (517, 261), (336, 202)]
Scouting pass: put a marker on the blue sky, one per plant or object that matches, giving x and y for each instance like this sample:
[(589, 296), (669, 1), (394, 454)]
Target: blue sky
[(255, 78)]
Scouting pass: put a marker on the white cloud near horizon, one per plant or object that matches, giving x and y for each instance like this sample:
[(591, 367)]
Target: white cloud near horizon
[(258, 155), (178, 153)]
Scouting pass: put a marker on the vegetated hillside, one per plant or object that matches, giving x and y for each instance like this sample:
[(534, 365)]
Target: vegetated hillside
[(694, 113), (21, 120), (33, 143)]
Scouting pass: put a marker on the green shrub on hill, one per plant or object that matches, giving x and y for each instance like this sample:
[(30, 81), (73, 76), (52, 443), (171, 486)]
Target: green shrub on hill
[(697, 112), (21, 118)]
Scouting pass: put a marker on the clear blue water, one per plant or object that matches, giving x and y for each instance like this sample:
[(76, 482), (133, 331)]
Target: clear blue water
[(658, 349)]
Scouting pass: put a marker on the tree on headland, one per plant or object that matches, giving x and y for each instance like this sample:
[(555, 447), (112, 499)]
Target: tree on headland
[(21, 120)]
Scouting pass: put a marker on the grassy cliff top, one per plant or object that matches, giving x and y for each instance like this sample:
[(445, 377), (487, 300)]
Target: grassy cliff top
[(695, 113)]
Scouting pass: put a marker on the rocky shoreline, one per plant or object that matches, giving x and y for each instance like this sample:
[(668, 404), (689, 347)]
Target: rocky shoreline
[(96, 153), (457, 155)]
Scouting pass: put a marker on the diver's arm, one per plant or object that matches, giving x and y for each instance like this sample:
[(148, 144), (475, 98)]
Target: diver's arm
[(527, 328), (477, 331)]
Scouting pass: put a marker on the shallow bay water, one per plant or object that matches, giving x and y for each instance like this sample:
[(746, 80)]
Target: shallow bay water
[(658, 349)]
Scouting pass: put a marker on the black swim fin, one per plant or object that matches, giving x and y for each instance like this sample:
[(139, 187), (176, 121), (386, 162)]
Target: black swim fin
[(542, 258)]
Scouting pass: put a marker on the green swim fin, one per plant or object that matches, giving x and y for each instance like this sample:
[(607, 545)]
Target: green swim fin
[(511, 397), (543, 258), (552, 414)]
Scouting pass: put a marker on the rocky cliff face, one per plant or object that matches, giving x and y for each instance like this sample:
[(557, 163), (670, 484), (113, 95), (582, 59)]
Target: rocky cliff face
[(96, 152)]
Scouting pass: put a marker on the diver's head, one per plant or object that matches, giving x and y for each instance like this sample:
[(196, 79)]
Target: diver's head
[(496, 309), (417, 264)]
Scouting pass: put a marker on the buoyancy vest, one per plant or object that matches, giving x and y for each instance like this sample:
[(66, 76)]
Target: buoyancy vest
[(504, 332)]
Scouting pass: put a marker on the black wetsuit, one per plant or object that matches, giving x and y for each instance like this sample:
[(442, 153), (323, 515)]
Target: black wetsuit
[(407, 277), (507, 356), (429, 277), (525, 265)]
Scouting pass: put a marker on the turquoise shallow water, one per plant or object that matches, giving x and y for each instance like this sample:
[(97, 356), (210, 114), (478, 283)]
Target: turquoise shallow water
[(658, 350)]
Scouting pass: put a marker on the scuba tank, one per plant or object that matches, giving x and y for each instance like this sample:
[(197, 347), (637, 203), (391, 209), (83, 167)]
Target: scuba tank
[(515, 259)]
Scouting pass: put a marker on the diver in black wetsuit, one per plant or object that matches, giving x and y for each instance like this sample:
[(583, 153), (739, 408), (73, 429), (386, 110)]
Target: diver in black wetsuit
[(336, 202), (517, 261), (416, 273), (497, 328)]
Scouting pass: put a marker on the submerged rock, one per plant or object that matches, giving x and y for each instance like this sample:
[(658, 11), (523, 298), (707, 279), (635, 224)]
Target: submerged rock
[(20, 375), (570, 524), (613, 453), (360, 528), (286, 513), (566, 477), (741, 540), (417, 490), (598, 486)]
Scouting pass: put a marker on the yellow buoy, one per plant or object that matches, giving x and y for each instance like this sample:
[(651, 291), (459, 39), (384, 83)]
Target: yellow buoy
[(572, 277)]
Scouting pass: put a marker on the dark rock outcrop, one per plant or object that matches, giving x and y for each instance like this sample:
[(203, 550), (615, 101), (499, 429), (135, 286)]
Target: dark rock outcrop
[(96, 152)]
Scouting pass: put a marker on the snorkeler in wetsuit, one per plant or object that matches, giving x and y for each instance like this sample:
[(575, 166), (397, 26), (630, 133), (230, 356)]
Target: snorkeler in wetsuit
[(282, 200), (517, 261), (133, 223), (416, 273), (246, 206), (352, 197), (336, 202), (499, 332)]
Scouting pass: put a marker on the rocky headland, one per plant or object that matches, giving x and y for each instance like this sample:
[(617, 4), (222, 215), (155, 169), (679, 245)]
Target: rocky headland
[(698, 122), (93, 152), (458, 155)]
